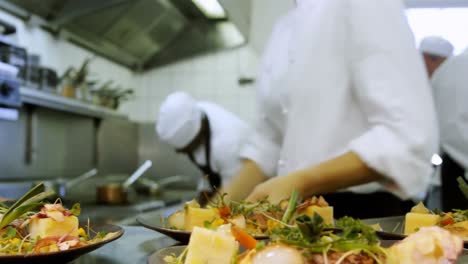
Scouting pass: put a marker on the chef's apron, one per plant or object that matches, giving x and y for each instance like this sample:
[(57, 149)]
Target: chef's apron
[(452, 196), (213, 178)]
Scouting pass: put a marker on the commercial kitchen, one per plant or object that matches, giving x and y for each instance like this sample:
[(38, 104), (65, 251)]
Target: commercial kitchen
[(82, 84)]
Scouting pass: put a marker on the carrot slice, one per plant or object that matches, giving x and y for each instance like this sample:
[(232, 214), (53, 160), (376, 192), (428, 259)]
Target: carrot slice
[(447, 221), (224, 211), (243, 237)]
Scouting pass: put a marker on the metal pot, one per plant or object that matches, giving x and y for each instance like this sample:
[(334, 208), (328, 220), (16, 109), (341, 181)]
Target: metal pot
[(117, 193), (61, 186)]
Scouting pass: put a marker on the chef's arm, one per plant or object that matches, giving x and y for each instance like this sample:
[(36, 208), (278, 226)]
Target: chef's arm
[(245, 181), (334, 174), (338, 173)]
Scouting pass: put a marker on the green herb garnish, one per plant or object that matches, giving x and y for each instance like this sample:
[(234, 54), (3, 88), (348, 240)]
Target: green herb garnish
[(25, 204)]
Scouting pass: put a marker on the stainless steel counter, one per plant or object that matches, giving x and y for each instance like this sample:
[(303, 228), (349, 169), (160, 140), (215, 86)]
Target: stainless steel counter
[(133, 247)]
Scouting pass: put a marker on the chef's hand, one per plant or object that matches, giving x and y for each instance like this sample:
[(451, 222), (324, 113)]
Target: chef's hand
[(277, 188), (338, 173)]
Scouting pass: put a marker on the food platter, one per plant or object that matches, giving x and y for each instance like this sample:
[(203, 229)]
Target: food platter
[(158, 256), (183, 237), (65, 256), (392, 228)]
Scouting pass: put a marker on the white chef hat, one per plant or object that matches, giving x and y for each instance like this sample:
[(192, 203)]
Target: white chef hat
[(179, 120), (436, 46)]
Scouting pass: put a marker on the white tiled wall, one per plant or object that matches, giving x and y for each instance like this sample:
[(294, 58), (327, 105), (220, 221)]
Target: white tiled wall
[(212, 77)]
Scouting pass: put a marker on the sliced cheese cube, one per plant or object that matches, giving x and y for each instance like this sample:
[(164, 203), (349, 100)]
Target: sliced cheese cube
[(198, 216), (414, 221), (325, 212), (211, 247), (45, 227)]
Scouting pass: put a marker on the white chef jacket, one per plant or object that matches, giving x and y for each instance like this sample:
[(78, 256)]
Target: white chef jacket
[(228, 134), (340, 76), (450, 87)]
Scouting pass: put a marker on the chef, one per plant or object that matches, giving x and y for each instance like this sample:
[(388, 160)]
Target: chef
[(343, 101), (435, 51), (449, 84), (209, 135)]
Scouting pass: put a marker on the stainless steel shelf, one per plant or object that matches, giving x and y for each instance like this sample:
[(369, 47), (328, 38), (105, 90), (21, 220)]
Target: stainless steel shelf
[(56, 102)]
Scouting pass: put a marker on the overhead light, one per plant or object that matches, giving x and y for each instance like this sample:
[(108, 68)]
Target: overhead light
[(212, 9)]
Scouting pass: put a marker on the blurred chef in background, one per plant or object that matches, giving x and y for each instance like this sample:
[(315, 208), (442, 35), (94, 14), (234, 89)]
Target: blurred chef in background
[(343, 101), (435, 51), (208, 134), (450, 87)]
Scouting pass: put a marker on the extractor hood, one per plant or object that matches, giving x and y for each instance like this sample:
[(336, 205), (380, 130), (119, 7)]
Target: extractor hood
[(139, 34)]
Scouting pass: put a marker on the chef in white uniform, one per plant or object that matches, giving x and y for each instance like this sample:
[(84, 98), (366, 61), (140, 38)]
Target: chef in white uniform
[(208, 134), (343, 101), (450, 86), (435, 51)]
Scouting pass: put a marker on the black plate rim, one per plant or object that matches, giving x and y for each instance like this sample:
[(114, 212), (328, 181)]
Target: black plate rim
[(173, 233), (79, 251)]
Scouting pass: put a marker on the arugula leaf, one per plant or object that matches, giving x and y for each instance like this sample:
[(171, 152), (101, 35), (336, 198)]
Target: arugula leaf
[(354, 229), (10, 233), (76, 210), (311, 228)]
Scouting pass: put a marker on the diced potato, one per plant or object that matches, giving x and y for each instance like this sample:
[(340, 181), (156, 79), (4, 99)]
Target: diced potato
[(192, 203), (203, 241), (325, 212), (414, 221), (239, 220), (198, 216), (45, 227), (460, 229), (420, 209), (177, 220)]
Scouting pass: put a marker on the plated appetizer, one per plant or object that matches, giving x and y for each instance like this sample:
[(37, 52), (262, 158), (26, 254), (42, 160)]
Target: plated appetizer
[(456, 221), (257, 218), (24, 230), (308, 242)]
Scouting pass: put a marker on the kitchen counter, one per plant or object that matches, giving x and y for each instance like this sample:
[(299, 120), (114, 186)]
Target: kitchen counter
[(133, 247)]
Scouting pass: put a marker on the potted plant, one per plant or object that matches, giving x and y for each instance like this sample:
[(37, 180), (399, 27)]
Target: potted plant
[(74, 79), (111, 97)]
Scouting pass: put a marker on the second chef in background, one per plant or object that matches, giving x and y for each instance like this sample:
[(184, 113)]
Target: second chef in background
[(208, 134), (343, 101)]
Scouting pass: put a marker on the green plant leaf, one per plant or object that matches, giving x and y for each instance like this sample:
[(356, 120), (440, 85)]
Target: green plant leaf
[(17, 212), (76, 209), (32, 197)]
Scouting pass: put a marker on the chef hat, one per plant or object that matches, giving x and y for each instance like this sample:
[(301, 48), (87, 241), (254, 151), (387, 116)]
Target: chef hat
[(179, 120), (436, 46)]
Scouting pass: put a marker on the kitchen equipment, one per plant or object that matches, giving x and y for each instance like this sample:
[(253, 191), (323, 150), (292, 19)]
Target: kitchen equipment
[(152, 187), (61, 186), (117, 193), (9, 86), (15, 56), (48, 79)]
